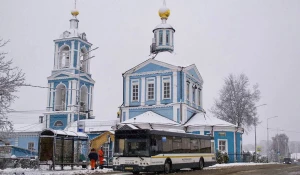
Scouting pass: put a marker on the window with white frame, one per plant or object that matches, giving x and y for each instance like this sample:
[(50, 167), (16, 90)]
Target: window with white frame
[(166, 87), (223, 145), (150, 89), (188, 90), (135, 90), (31, 145), (199, 97)]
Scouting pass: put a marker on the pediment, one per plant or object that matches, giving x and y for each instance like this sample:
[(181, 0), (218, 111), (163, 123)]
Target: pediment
[(151, 65), (62, 76), (193, 71)]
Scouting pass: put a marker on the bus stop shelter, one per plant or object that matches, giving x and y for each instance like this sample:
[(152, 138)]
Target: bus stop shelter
[(63, 148)]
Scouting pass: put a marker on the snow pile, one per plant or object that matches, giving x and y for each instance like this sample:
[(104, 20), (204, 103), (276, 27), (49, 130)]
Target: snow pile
[(235, 164), (67, 171)]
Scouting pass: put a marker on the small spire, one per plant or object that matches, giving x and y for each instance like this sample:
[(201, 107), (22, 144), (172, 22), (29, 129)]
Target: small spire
[(164, 11), (75, 12)]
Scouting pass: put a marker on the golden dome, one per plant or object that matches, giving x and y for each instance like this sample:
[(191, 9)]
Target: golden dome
[(75, 12), (164, 12)]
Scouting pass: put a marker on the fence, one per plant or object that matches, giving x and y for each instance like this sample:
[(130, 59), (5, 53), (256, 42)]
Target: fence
[(18, 163)]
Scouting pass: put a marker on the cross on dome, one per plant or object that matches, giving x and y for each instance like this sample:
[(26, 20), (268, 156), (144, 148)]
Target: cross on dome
[(75, 12)]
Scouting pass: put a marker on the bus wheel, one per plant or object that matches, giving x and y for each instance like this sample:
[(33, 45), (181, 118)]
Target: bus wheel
[(201, 164), (167, 167), (136, 172)]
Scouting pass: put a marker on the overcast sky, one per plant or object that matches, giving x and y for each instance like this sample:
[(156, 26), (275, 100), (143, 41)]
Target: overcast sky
[(260, 38)]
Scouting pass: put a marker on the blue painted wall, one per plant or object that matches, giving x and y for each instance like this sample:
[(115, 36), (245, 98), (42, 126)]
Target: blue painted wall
[(57, 117), (151, 67), (230, 142), (92, 135), (166, 112), (23, 141), (190, 113), (238, 148)]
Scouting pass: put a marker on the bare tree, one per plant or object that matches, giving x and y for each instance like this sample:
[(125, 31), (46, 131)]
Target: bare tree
[(280, 145), (11, 78), (236, 103)]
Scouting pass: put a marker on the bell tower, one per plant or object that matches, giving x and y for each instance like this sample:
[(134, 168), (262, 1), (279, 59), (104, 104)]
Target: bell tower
[(70, 84)]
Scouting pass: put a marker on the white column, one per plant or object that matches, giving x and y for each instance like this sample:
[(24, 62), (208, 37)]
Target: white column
[(48, 96), (191, 92), (52, 94), (143, 91), (92, 98), (175, 87), (184, 88), (74, 92), (171, 37), (234, 146), (55, 66), (69, 96), (175, 107), (72, 54), (158, 89), (201, 101), (127, 91), (78, 56)]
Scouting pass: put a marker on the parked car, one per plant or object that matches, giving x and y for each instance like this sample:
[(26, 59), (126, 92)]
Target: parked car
[(287, 160)]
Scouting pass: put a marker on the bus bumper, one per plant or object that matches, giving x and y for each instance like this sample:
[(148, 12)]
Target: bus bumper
[(137, 168)]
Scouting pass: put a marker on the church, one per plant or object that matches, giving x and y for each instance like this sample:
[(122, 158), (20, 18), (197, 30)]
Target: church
[(162, 96)]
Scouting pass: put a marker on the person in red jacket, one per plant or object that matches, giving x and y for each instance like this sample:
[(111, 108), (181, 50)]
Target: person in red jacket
[(93, 156), (101, 157)]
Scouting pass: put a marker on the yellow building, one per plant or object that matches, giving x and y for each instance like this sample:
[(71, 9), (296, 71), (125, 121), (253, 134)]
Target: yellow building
[(106, 140)]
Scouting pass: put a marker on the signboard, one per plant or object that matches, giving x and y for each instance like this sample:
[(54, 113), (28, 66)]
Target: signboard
[(80, 126)]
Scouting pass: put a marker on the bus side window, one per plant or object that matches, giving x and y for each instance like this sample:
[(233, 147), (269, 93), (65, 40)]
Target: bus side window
[(186, 145), (195, 146)]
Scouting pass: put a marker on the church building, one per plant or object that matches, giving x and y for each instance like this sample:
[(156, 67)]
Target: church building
[(159, 95)]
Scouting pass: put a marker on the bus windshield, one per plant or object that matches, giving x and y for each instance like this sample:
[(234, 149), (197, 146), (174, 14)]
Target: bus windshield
[(132, 147)]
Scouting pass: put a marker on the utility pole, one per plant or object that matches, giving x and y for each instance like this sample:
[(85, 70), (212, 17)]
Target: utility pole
[(78, 86)]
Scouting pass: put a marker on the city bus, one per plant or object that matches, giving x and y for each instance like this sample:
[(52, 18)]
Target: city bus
[(144, 150)]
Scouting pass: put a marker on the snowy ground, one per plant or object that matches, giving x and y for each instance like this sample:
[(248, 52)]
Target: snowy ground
[(78, 170), (218, 166), (43, 171)]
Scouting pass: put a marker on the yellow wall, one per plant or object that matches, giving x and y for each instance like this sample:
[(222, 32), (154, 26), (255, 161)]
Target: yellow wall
[(100, 140)]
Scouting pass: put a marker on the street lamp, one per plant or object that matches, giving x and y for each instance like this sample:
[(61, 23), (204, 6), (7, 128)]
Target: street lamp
[(255, 123), (268, 137)]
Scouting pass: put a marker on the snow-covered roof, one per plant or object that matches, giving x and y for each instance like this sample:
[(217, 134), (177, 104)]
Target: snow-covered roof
[(150, 117), (92, 125), (29, 127), (67, 133), (200, 119), (163, 26)]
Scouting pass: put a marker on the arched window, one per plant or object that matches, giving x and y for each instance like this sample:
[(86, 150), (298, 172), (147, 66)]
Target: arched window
[(60, 98), (83, 59), (64, 57), (84, 99), (58, 123)]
